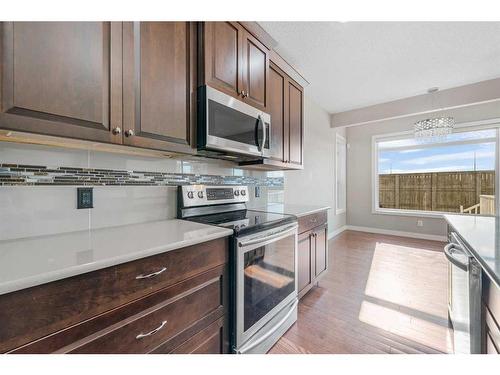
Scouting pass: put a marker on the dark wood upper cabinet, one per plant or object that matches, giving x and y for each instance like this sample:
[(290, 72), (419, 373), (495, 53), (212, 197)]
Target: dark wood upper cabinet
[(223, 56), (285, 105), (234, 62), (294, 113), (62, 78), (277, 82), (159, 84), (134, 83), (255, 71)]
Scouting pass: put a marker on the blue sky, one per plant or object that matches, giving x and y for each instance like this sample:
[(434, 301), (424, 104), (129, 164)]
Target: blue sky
[(394, 157)]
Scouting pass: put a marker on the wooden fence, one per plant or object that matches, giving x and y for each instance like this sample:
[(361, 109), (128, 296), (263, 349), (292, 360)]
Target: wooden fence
[(441, 191)]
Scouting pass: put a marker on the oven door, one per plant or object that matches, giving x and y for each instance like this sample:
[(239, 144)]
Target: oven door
[(266, 278), (232, 126)]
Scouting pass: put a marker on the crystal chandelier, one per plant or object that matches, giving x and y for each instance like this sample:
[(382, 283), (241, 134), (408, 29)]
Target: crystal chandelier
[(436, 127)]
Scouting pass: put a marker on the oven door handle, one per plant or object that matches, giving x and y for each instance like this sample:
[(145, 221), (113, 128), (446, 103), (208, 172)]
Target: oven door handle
[(453, 260), (275, 236), (248, 347)]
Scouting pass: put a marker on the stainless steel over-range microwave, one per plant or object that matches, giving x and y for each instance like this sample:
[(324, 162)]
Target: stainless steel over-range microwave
[(230, 128)]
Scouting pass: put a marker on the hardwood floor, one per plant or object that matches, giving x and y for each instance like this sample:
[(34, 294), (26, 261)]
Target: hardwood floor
[(382, 294)]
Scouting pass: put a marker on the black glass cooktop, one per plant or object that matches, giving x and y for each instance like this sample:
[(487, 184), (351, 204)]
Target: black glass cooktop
[(245, 221)]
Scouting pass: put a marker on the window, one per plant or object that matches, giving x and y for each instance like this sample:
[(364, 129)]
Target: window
[(453, 174), (340, 174)]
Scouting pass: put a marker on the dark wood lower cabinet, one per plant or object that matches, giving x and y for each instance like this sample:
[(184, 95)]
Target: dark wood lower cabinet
[(304, 259), (490, 317), (320, 250), (157, 320), (312, 251), (211, 340)]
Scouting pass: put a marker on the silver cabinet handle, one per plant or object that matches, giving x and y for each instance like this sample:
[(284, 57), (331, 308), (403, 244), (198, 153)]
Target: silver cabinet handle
[(129, 133), (142, 335), (117, 131), (150, 275)]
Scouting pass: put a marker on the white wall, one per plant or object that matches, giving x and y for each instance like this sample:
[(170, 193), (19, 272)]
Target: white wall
[(315, 184), (359, 171)]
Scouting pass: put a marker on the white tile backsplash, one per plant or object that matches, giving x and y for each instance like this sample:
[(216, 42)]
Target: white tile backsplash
[(121, 205), (27, 211), (21, 153), (204, 166), (105, 160)]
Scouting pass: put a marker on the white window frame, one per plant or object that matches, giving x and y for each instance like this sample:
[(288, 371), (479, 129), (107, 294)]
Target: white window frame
[(342, 140), (466, 126)]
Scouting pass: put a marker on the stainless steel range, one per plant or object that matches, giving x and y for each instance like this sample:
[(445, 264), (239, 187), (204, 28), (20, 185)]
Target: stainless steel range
[(263, 262)]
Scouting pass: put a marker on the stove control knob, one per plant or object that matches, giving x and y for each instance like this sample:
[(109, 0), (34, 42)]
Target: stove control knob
[(236, 192), (200, 194), (190, 194), (243, 192)]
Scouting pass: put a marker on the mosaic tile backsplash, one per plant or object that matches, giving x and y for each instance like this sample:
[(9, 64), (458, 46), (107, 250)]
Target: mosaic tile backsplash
[(16, 174)]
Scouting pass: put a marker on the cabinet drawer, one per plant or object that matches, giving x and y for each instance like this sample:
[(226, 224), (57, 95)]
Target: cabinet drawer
[(309, 222), (143, 332), (208, 341), (78, 332), (32, 313)]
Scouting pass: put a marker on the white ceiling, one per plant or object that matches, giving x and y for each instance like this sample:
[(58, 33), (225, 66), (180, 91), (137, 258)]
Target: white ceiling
[(357, 64)]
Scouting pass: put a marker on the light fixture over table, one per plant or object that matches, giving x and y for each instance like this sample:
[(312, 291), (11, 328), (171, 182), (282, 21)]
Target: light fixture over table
[(435, 127)]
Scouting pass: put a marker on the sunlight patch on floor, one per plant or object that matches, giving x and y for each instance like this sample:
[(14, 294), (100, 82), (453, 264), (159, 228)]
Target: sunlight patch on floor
[(419, 330), (395, 276), (400, 300)]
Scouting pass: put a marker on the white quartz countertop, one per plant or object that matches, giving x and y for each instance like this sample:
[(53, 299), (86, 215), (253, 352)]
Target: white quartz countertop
[(482, 236), (33, 261), (290, 209)]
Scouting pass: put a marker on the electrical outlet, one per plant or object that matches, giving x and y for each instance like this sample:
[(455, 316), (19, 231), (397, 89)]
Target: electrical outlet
[(85, 198), (257, 191), (420, 223)]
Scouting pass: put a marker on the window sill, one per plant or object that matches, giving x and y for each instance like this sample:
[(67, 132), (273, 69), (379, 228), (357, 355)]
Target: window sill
[(410, 213)]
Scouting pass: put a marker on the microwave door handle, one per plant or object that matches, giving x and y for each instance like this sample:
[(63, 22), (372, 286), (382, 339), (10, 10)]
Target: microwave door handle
[(264, 134), (257, 133)]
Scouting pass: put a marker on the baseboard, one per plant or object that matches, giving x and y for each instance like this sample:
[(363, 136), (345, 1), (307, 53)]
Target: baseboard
[(423, 236), (336, 232)]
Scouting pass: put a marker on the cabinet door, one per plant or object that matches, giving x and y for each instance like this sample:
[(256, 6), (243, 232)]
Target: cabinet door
[(223, 60), (305, 261), (294, 111), (276, 107), (321, 251), (255, 71), (159, 85), (62, 78)]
